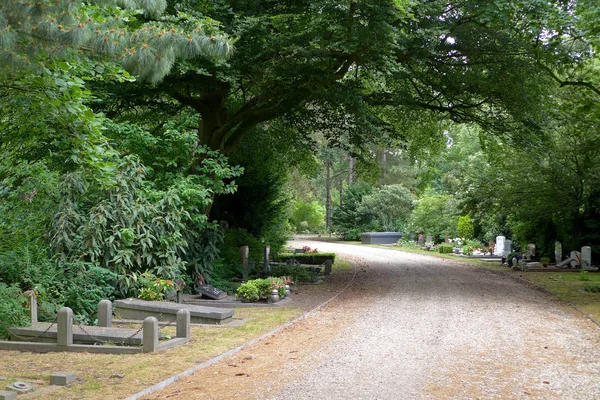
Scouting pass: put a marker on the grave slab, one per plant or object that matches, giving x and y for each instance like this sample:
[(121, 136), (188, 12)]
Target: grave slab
[(164, 311), (85, 335)]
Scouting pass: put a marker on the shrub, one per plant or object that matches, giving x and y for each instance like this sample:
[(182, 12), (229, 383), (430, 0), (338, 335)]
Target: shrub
[(13, 311), (297, 274), (444, 248), (260, 289), (153, 288)]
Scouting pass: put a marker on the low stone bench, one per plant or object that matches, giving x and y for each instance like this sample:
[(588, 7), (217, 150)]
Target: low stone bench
[(380, 237), (164, 311)]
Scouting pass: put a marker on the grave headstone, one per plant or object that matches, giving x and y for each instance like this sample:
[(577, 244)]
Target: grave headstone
[(586, 257), (499, 249), (491, 245), (267, 258), (8, 395), (411, 236), (428, 239), (211, 292), (558, 252), (421, 239), (530, 251), (507, 247)]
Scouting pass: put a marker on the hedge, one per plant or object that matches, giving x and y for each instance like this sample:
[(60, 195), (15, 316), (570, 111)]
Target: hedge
[(306, 258)]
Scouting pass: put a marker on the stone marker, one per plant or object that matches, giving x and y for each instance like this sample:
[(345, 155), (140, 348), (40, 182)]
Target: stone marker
[(62, 379), (212, 292), (150, 329), (428, 239), (507, 247), (244, 255), (105, 313), (530, 251), (558, 252), (421, 239), (267, 258), (328, 267), (165, 311), (8, 395), (586, 257), (33, 306), (491, 245), (411, 236), (20, 387), (499, 249), (183, 324), (575, 259), (64, 326)]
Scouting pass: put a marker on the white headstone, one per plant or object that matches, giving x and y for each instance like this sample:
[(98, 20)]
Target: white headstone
[(558, 252), (575, 259), (530, 251), (428, 239), (586, 257), (499, 249)]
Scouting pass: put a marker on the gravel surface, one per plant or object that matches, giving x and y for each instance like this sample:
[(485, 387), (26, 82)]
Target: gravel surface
[(413, 327), (441, 329)]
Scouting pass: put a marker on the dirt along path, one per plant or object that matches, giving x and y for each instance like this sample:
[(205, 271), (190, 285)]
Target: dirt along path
[(415, 327)]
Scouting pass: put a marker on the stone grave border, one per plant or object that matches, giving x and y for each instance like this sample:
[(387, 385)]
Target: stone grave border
[(64, 338)]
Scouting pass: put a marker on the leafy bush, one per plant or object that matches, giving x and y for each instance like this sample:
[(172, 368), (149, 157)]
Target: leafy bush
[(153, 288), (592, 288), (260, 289), (13, 311), (466, 228), (307, 216), (444, 248)]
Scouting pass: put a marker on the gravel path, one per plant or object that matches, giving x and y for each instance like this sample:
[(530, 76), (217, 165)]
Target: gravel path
[(441, 329)]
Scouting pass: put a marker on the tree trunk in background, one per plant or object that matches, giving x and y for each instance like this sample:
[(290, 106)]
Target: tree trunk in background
[(383, 162), (328, 197), (350, 171)]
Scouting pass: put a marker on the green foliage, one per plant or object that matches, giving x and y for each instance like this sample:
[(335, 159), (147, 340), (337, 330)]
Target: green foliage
[(444, 249), (346, 220), (152, 288), (260, 289), (583, 275), (465, 229), (388, 207), (13, 311), (236, 238), (307, 216), (435, 215)]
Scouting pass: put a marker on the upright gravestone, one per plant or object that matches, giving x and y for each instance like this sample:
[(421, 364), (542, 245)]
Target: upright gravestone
[(530, 251), (267, 258), (244, 256), (499, 249), (586, 257), (421, 240), (507, 247), (64, 327), (428, 239), (411, 236), (558, 252), (491, 245)]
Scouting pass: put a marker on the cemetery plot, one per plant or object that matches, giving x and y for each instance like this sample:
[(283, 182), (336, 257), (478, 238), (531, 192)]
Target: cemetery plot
[(135, 309)]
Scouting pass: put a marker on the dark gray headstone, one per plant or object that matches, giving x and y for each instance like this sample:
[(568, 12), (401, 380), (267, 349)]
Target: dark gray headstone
[(212, 292)]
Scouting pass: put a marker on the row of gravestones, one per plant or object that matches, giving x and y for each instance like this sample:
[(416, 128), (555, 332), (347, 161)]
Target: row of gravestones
[(576, 259), (422, 239)]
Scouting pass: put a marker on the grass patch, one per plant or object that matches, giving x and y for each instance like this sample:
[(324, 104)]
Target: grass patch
[(117, 376)]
